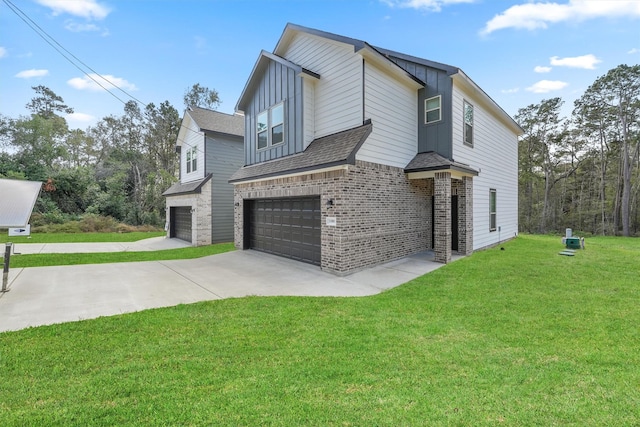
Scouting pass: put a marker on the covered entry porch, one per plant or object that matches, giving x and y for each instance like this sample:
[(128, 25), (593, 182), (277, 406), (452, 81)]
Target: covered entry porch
[(452, 203)]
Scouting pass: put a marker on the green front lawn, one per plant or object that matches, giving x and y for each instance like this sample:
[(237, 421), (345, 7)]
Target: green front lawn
[(44, 260), (79, 237), (517, 337)]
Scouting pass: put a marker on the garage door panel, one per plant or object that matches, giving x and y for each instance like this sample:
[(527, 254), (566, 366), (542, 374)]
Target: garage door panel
[(286, 227), (181, 222)]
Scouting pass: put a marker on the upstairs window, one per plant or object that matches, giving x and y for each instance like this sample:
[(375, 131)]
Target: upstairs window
[(192, 159), (493, 217), (468, 123), (432, 109), (270, 127), (263, 128), (277, 124)]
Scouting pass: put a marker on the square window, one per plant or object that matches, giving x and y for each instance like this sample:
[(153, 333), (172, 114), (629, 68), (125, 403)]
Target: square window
[(432, 109), (270, 127)]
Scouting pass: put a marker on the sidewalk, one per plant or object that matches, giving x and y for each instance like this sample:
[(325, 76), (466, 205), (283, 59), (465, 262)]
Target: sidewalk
[(152, 244)]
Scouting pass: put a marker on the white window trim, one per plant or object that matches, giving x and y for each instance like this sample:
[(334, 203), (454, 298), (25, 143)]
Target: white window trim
[(494, 213), (426, 101), (271, 125), (190, 157), (464, 123)]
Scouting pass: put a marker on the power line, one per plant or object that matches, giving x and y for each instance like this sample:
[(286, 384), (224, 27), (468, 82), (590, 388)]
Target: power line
[(59, 48)]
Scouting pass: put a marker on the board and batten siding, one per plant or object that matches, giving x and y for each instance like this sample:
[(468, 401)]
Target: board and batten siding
[(279, 83), (192, 138), (224, 157), (495, 154), (434, 136), (338, 93), (391, 106)]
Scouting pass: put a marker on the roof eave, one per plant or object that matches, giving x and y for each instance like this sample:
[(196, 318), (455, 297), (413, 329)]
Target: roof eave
[(465, 81)]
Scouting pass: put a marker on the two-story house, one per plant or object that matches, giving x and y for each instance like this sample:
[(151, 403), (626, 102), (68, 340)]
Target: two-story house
[(200, 205), (357, 155)]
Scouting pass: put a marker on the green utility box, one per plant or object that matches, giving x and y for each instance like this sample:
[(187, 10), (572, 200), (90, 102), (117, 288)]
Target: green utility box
[(572, 242)]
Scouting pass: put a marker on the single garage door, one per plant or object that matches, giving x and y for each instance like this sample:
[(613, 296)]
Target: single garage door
[(181, 222), (286, 227)]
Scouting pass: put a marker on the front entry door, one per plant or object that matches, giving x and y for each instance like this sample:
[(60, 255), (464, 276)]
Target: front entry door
[(454, 223)]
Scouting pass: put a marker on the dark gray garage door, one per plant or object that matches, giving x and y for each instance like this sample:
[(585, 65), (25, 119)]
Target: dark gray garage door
[(181, 222), (286, 227)]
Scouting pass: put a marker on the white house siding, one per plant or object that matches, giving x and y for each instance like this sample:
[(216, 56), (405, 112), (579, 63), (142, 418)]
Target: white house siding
[(338, 93), (495, 154), (308, 112), (392, 108), (192, 138)]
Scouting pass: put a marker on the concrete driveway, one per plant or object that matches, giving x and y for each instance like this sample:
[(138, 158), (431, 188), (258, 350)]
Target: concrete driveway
[(47, 295)]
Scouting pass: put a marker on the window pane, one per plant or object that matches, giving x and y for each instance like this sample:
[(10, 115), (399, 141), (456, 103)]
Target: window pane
[(277, 134), (433, 116), (468, 114), (468, 134), (433, 103), (277, 115), (262, 139), (262, 123)]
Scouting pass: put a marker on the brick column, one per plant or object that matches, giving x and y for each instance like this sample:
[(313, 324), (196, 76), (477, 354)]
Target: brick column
[(442, 220), (465, 212)]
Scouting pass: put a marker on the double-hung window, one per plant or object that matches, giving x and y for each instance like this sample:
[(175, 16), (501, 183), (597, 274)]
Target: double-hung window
[(468, 123), (493, 220), (432, 109), (270, 127), (192, 159)]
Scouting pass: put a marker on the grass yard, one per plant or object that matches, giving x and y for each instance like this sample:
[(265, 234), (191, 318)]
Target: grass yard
[(44, 260), (80, 237), (520, 337)]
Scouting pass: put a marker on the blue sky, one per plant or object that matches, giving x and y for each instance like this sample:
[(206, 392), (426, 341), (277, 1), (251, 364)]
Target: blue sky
[(520, 52)]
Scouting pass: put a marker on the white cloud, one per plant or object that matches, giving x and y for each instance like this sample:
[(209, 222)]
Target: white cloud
[(531, 16), (546, 86), (3, 52), (89, 9), (89, 83), (429, 5), (28, 74), (587, 62), (634, 50), (79, 28), (80, 117), (513, 90), (540, 69)]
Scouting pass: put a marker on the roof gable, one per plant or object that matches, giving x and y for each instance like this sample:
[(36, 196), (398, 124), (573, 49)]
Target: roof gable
[(259, 68)]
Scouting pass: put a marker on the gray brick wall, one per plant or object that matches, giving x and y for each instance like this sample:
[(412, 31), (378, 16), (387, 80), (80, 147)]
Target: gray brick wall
[(380, 214)]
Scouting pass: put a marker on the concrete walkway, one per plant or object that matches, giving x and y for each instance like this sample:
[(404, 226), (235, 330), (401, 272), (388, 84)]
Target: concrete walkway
[(152, 244), (47, 295)]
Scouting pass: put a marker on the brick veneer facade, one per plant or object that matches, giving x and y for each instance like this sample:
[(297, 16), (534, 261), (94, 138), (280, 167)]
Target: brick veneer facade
[(200, 204), (380, 214)]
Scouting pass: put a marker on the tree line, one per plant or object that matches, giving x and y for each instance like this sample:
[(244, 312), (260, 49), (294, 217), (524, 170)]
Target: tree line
[(582, 172), (117, 168)]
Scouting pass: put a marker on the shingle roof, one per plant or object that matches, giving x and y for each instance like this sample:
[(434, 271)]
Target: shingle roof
[(433, 161), (332, 150), (189, 187), (214, 121)]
